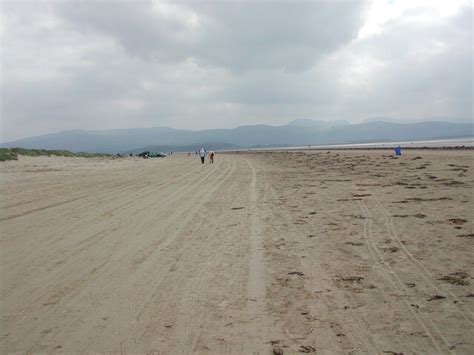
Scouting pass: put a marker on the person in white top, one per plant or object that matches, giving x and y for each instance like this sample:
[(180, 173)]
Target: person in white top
[(202, 154)]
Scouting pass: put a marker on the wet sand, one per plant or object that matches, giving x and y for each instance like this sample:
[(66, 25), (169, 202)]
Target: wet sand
[(326, 252)]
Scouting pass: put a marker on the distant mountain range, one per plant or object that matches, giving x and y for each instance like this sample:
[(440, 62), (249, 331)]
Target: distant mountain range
[(304, 122), (298, 132)]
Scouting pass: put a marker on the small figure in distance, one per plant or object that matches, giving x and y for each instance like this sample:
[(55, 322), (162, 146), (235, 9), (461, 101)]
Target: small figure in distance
[(202, 154), (211, 157)]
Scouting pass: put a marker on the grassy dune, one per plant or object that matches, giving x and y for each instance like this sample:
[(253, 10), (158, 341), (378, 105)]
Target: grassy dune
[(13, 153)]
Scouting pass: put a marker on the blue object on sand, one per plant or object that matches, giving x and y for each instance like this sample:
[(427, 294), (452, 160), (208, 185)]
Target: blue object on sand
[(398, 150)]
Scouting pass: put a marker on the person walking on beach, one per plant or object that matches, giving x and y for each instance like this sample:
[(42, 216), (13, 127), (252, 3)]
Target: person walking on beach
[(202, 154), (211, 157)]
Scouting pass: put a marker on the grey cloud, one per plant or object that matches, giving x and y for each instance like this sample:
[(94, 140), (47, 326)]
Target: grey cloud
[(133, 25), (428, 69), (96, 65), (233, 35)]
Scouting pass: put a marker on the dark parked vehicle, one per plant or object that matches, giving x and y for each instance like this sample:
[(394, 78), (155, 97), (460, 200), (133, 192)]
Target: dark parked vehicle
[(148, 154)]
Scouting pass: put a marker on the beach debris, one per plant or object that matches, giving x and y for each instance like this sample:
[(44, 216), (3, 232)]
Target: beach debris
[(393, 352), (307, 349), (419, 215), (237, 208), (419, 199), (349, 278), (311, 236), (357, 244), (436, 297), (277, 350), (361, 195), (416, 158), (299, 273), (274, 342), (457, 221), (470, 295), (452, 183), (391, 249), (168, 325), (460, 274), (401, 183), (470, 235), (410, 284), (456, 278)]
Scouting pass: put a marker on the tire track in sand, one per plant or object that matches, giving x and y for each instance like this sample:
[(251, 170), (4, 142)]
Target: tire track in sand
[(256, 291), (184, 223), (354, 329), (429, 327), (125, 271), (124, 319), (424, 273)]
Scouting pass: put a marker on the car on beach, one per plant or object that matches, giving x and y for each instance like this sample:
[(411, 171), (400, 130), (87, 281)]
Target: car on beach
[(147, 154)]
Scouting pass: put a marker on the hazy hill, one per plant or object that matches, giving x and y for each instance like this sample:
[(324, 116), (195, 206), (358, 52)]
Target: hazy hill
[(304, 122), (299, 132)]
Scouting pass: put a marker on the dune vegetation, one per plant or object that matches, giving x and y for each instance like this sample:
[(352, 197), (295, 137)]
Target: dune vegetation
[(13, 153)]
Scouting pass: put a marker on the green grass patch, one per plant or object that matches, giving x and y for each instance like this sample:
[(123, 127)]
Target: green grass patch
[(7, 154), (13, 153)]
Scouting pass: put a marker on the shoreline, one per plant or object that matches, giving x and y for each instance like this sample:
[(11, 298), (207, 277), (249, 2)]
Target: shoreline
[(279, 150), (448, 143)]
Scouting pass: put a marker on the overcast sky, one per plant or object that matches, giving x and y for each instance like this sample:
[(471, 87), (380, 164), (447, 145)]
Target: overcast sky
[(221, 64)]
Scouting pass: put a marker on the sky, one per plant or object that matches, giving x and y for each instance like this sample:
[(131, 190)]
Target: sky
[(222, 64)]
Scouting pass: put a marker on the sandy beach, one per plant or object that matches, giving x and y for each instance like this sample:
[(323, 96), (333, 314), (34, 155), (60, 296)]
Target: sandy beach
[(267, 252)]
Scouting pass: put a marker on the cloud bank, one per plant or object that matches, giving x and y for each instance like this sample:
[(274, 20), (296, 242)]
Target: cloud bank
[(196, 65)]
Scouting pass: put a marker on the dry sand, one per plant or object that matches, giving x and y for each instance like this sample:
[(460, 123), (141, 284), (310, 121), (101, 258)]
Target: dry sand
[(340, 252)]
